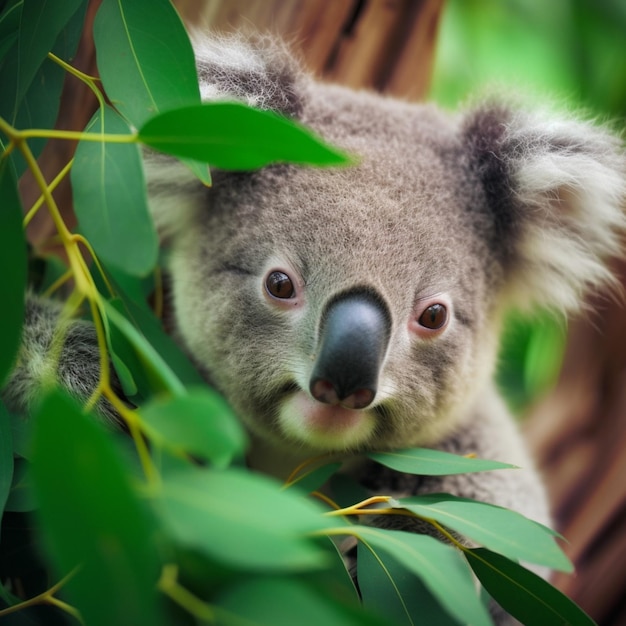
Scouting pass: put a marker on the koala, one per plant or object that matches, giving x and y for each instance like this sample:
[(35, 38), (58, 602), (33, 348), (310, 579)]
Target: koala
[(353, 309)]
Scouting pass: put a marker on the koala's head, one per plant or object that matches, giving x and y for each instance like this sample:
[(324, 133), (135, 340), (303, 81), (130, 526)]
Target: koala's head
[(359, 307)]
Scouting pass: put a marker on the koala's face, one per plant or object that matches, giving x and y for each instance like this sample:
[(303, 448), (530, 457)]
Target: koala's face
[(358, 308), (343, 309)]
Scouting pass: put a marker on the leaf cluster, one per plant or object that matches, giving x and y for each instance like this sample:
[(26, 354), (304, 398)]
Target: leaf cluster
[(167, 526)]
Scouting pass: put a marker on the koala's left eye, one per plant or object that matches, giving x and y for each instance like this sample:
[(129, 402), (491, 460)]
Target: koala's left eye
[(434, 317), (279, 285)]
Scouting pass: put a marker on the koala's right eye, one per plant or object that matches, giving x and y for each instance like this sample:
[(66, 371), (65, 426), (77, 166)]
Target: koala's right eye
[(279, 285)]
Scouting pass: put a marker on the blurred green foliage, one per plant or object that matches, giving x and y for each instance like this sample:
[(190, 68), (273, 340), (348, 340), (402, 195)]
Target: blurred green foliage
[(572, 52)]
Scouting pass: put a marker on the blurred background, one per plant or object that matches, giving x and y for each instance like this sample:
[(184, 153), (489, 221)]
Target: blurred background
[(565, 380)]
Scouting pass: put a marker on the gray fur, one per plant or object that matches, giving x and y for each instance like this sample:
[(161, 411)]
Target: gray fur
[(56, 351), (481, 210)]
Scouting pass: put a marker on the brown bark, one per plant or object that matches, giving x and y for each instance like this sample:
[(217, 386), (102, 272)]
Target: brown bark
[(385, 45), (578, 433)]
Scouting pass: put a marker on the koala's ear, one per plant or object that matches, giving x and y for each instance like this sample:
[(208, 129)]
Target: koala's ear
[(258, 70), (556, 196)]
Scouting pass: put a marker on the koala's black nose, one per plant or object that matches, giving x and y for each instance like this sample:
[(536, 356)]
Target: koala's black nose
[(354, 335)]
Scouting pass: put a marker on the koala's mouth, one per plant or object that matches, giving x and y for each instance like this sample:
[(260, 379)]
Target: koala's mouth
[(323, 426)]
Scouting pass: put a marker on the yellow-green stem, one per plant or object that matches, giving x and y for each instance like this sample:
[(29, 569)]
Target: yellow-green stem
[(43, 598), (170, 586), (51, 187), (76, 135)]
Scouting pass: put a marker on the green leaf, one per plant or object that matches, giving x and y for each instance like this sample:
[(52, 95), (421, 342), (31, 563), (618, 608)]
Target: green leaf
[(8, 598), (21, 497), (6, 456), (440, 567), (144, 359), (201, 170), (10, 16), (40, 104), (91, 518), (13, 268), (233, 136), (110, 198), (21, 431), (494, 527), (284, 602), (390, 589), (200, 423), (151, 328), (311, 480), (522, 593), (334, 580), (434, 462), (345, 490), (40, 24), (242, 519), (147, 65)]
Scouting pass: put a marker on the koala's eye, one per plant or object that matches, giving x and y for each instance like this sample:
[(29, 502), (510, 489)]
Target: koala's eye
[(279, 285), (431, 316), (434, 317)]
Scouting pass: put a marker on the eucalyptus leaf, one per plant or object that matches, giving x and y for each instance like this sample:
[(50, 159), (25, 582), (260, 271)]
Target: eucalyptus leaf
[(21, 431), (10, 16), (155, 371), (526, 596), (440, 567), (311, 480), (494, 527), (200, 423), (110, 198), (334, 580), (128, 366), (277, 601), (13, 268), (390, 589), (346, 491), (144, 320), (92, 519), (243, 520), (233, 136), (8, 598), (40, 105), (147, 66), (125, 286), (40, 24), (21, 497), (8, 41), (6, 456), (125, 376), (434, 462)]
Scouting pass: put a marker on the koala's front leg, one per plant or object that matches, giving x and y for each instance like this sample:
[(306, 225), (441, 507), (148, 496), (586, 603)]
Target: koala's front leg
[(58, 352)]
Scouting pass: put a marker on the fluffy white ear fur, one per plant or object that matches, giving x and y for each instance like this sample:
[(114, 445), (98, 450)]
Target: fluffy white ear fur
[(258, 71), (174, 193), (220, 60), (569, 178)]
